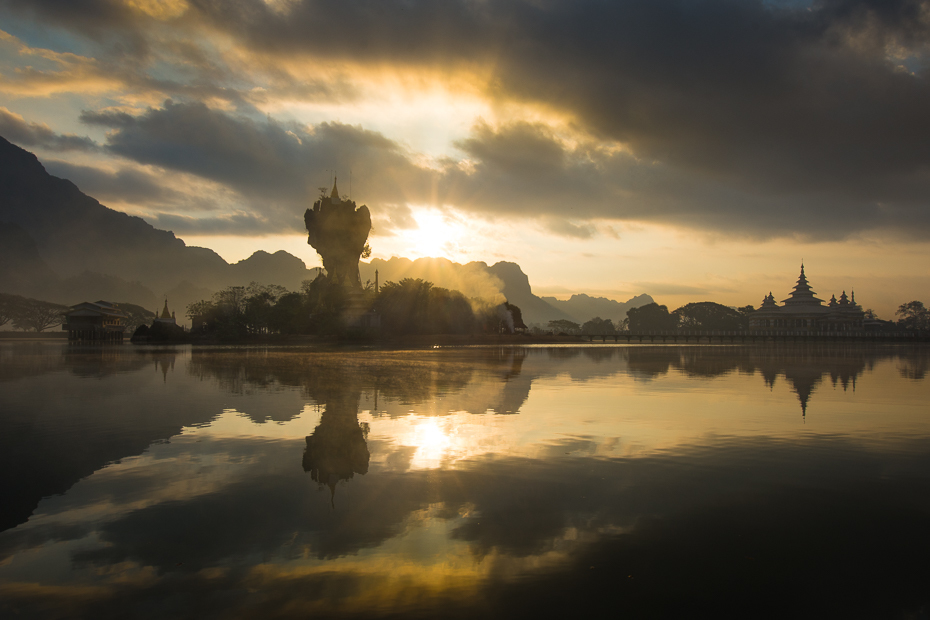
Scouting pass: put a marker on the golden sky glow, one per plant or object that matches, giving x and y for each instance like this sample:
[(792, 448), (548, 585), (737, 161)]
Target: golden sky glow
[(600, 160)]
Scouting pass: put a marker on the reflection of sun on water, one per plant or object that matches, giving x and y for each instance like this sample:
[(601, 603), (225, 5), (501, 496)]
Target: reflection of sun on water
[(429, 441), (432, 444)]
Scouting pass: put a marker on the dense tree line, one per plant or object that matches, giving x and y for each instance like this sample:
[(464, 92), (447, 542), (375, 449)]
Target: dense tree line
[(239, 311), (708, 315), (411, 306), (414, 306), (700, 316)]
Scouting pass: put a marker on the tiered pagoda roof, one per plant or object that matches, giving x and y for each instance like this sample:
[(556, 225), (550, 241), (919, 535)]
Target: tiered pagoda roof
[(768, 302), (802, 295)]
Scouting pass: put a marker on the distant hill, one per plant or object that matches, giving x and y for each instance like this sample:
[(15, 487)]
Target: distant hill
[(285, 269), (499, 282), (25, 272), (75, 233), (582, 308), (60, 245), (517, 290), (23, 268)]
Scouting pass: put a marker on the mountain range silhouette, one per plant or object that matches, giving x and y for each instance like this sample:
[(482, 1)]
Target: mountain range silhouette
[(60, 245)]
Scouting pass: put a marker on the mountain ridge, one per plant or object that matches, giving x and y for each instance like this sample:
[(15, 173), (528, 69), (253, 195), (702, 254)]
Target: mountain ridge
[(62, 245), (582, 307), (87, 250)]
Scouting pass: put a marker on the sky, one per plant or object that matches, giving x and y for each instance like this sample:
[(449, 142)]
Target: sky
[(693, 150)]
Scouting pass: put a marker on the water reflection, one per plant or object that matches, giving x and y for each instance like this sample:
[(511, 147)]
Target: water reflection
[(656, 480), (475, 380), (112, 423), (804, 367), (336, 450)]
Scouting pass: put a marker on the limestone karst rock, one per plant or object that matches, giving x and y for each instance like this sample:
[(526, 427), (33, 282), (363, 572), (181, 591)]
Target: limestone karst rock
[(338, 231)]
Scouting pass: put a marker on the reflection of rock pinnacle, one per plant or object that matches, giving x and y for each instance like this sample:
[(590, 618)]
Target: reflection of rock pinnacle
[(337, 449)]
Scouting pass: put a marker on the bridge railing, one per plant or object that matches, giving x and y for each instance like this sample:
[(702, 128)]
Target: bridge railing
[(862, 335)]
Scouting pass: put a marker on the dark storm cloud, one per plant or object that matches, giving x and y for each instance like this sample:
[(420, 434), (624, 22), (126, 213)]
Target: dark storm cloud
[(701, 519), (571, 183), (111, 21), (278, 167), (523, 149), (760, 105), (759, 118), (15, 129), (517, 169), (93, 15)]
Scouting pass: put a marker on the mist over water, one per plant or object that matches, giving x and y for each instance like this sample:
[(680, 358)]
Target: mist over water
[(651, 481)]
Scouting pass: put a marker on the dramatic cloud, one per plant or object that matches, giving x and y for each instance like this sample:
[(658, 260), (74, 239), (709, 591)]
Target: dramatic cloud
[(743, 89), (128, 185), (751, 107), (587, 180), (518, 169), (13, 127), (752, 118), (234, 224), (277, 166)]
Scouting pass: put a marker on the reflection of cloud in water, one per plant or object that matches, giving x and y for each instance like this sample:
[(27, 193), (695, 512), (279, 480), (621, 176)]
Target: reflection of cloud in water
[(458, 504), (684, 521), (122, 409)]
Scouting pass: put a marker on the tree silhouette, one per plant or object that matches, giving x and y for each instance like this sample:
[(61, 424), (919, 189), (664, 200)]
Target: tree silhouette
[(708, 315), (415, 306), (599, 326), (565, 326), (651, 317), (37, 315), (913, 315), (6, 309)]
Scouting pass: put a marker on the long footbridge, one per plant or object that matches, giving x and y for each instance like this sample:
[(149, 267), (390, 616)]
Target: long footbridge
[(757, 336)]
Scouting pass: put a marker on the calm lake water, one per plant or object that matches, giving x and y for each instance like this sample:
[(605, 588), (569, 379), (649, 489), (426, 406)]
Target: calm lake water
[(636, 481)]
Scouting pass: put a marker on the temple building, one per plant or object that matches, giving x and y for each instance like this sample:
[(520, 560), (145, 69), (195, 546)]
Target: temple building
[(95, 321), (164, 316), (804, 312)]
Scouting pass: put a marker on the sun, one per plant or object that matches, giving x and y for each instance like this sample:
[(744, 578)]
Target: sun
[(436, 235), (439, 233)]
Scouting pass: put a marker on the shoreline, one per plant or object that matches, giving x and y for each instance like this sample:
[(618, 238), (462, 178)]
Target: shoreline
[(13, 335), (450, 340)]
